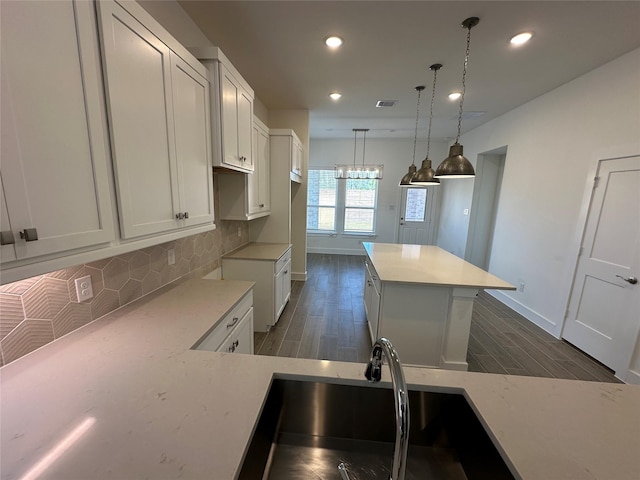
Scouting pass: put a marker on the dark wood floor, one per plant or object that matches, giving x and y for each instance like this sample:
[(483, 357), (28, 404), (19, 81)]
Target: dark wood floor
[(325, 319)]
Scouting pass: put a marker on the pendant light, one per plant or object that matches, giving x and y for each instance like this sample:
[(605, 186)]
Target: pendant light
[(364, 172), (456, 165), (425, 176), (406, 180)]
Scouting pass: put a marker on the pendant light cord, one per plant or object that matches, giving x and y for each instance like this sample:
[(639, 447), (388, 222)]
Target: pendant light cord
[(464, 85), (435, 69), (415, 136)]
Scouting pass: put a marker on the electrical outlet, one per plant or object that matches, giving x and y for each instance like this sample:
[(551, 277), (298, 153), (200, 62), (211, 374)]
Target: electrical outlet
[(465, 211), (239, 232), (84, 288), (521, 287), (171, 256)]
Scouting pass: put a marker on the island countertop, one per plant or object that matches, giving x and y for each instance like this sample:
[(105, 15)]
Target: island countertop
[(126, 398), (428, 264)]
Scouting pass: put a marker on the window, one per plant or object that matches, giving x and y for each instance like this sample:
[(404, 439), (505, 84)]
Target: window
[(322, 196), (355, 199), (360, 206)]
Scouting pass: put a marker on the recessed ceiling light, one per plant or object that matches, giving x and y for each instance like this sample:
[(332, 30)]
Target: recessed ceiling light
[(454, 95), (521, 38), (333, 41), (335, 96)]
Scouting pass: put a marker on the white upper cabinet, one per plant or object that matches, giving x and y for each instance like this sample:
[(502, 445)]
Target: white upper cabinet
[(193, 142), (246, 196), (54, 147), (286, 145), (232, 107), (160, 123), (259, 183)]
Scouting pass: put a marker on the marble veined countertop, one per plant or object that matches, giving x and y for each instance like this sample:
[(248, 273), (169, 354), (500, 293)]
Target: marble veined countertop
[(126, 398), (430, 265), (259, 251)]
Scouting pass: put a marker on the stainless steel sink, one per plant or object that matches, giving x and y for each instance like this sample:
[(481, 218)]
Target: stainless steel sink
[(307, 428)]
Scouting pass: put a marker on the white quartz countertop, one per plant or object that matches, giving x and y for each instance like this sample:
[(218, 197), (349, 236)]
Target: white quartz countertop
[(125, 398), (428, 264), (259, 251)]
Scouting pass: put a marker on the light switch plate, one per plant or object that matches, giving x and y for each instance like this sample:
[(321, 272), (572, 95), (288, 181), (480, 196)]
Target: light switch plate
[(84, 288)]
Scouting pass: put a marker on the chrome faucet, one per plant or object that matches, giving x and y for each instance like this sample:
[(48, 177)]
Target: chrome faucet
[(401, 397)]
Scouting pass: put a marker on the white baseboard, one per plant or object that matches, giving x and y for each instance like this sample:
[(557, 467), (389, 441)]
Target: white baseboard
[(336, 251), (543, 322), (633, 378), (299, 276)]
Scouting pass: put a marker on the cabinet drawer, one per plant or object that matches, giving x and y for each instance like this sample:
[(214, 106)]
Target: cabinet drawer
[(282, 261), (217, 336), (373, 274)]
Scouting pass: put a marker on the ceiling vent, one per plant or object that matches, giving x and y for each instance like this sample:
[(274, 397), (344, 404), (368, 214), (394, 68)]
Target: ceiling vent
[(386, 103)]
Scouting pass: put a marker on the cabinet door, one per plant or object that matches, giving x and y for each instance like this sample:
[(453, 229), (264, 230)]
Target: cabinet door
[(137, 66), (264, 172), (244, 335), (253, 179), (7, 250), (245, 129), (230, 92), (192, 140), (282, 288), (53, 127)]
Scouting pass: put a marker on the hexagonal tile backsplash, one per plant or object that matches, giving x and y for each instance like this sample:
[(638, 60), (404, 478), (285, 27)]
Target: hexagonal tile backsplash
[(38, 310)]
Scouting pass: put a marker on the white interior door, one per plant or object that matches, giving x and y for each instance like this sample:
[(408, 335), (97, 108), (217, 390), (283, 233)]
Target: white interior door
[(604, 309), (416, 213)]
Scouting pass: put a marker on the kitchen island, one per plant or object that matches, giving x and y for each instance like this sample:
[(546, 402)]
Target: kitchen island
[(126, 397), (421, 298)]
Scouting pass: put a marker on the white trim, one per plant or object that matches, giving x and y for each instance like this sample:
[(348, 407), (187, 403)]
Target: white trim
[(299, 276), (632, 377), (336, 251), (541, 321)]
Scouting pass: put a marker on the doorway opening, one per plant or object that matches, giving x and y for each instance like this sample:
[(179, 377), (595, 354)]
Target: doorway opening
[(484, 206)]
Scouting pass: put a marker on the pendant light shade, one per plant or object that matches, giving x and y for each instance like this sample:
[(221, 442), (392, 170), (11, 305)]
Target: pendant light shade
[(406, 180), (364, 171), (456, 164), (426, 175)]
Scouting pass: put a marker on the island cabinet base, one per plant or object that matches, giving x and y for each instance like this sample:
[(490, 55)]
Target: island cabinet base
[(428, 325)]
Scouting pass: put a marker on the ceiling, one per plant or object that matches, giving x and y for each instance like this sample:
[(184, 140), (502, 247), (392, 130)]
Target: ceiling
[(389, 45)]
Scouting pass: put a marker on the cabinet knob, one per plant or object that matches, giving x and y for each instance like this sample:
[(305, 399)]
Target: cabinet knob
[(233, 322), (6, 237), (186, 215), (179, 216), (286, 271), (261, 205), (29, 234)]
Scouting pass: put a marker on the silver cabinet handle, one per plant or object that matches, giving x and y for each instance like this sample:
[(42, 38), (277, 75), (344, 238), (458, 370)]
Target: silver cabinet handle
[(6, 237), (632, 280), (233, 322), (29, 234)]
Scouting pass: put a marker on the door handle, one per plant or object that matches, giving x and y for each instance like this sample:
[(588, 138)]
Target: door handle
[(632, 280)]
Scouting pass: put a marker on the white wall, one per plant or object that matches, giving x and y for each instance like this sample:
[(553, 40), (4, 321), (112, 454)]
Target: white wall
[(554, 143), (396, 156)]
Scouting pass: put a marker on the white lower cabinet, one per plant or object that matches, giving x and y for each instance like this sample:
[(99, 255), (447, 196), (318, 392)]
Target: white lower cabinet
[(372, 299), (272, 288), (234, 333)]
